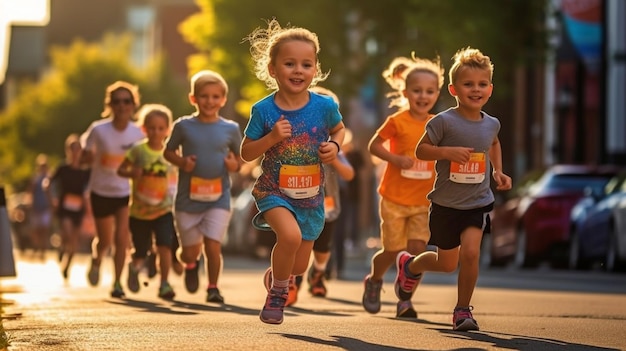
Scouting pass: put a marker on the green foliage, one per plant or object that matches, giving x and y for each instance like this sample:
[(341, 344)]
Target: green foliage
[(359, 38), (70, 97)]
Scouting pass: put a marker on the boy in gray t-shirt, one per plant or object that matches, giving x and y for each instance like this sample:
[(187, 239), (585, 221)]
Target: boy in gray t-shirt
[(464, 142)]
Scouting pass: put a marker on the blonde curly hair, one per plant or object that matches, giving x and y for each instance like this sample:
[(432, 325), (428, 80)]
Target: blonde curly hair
[(265, 43)]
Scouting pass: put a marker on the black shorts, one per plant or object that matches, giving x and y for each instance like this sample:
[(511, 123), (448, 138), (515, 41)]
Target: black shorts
[(142, 232), (322, 243), (103, 206), (446, 224)]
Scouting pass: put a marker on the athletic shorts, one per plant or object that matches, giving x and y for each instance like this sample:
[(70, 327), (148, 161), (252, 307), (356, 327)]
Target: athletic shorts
[(194, 227), (447, 224), (142, 231), (310, 220), (103, 206), (401, 223)]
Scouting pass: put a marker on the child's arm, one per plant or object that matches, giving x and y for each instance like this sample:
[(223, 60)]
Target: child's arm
[(503, 181), (328, 150), (377, 148), (129, 170), (253, 149), (187, 164), (427, 151), (232, 163), (343, 167)]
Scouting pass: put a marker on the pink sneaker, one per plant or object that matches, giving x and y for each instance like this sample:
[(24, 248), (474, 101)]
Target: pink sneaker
[(404, 286), (272, 312), (462, 319)]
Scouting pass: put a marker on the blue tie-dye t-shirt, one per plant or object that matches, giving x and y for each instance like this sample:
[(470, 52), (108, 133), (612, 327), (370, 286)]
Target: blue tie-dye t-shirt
[(310, 127)]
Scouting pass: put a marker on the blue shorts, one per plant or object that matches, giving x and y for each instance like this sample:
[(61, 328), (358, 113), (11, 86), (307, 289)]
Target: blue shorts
[(310, 220)]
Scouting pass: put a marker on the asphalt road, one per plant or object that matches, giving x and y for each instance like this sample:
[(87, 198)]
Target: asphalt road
[(517, 310)]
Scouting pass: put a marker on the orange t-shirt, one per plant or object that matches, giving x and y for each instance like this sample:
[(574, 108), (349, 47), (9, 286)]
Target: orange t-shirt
[(406, 187)]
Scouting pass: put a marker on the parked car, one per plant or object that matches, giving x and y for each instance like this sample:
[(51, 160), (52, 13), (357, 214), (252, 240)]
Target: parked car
[(535, 225), (598, 228)]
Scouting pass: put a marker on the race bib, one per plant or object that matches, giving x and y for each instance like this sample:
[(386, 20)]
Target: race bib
[(152, 189), (205, 190), (473, 172), (73, 202), (111, 161), (420, 170), (300, 182)]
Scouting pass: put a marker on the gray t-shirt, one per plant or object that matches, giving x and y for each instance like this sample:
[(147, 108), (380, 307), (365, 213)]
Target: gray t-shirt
[(210, 143), (448, 128)]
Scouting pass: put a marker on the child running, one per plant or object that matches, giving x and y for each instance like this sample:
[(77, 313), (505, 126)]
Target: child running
[(339, 169), (68, 191), (296, 131), (464, 141), (205, 148), (406, 181), (151, 198)]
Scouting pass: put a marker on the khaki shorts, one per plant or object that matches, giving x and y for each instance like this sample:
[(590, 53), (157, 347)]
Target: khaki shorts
[(400, 223)]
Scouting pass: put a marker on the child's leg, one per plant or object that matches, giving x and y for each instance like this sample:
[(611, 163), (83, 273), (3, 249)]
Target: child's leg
[(469, 263), (165, 261), (301, 262), (213, 253), (288, 241)]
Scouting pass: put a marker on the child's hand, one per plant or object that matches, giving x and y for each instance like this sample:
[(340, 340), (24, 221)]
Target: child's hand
[(503, 181), (282, 129), (231, 162), (459, 154), (327, 152), (189, 163), (136, 172), (402, 162)]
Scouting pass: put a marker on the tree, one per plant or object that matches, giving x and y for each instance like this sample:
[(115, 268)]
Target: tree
[(70, 97)]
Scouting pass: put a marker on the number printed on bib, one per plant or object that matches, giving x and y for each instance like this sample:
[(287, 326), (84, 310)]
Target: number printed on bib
[(300, 182), (111, 161), (205, 190), (473, 172), (420, 170), (152, 189)]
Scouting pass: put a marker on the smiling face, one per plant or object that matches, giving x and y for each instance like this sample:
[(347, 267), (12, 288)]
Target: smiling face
[(209, 99), (294, 66), (421, 92), (472, 87), (156, 127), (122, 105)]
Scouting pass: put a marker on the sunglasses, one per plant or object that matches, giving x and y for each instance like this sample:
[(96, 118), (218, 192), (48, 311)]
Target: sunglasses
[(126, 101)]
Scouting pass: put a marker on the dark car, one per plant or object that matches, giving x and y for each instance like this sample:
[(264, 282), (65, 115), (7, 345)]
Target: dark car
[(598, 228), (535, 226)]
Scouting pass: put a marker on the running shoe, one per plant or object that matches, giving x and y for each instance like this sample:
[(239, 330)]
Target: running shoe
[(133, 278), (404, 286), (371, 295), (213, 295), (405, 310), (192, 281), (315, 279), (462, 319), (117, 291), (166, 291), (94, 273), (272, 312)]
